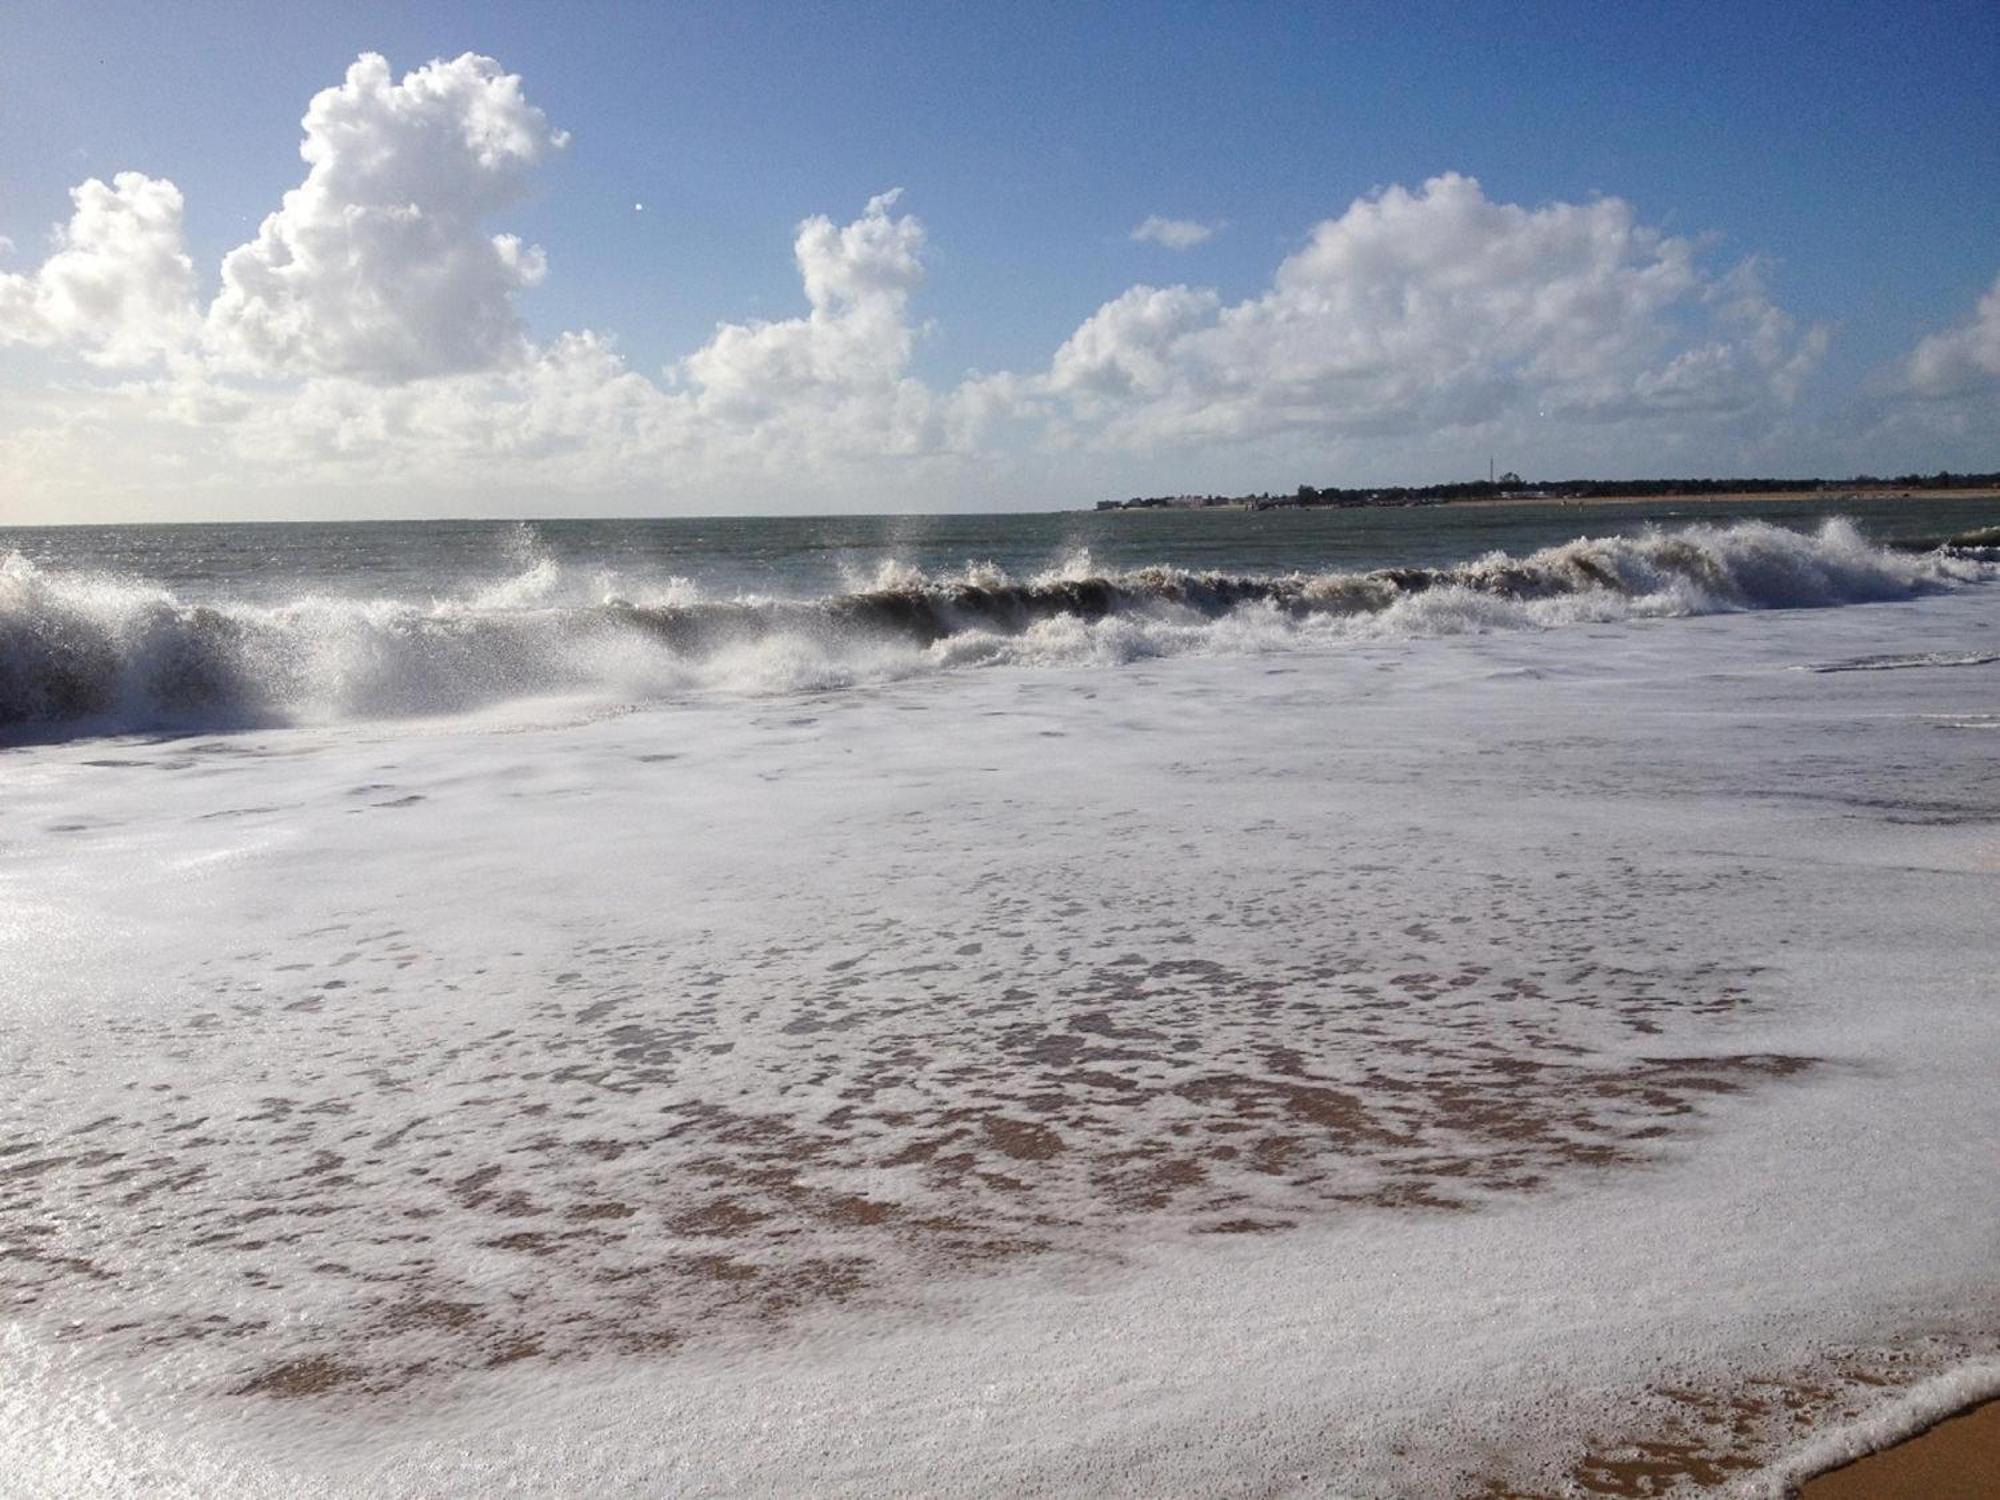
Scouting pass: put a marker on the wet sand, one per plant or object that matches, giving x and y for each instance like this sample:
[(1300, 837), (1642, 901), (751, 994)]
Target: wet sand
[(827, 1105), (1959, 1459)]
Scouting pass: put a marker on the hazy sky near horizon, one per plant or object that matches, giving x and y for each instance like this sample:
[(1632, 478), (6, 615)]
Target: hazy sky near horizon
[(606, 258)]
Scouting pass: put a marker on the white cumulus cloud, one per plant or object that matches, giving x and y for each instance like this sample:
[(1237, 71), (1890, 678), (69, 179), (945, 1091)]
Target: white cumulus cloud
[(1129, 346), (119, 286), (1420, 311), (366, 347), (787, 408), (379, 265), (1174, 234), (843, 366), (1961, 360)]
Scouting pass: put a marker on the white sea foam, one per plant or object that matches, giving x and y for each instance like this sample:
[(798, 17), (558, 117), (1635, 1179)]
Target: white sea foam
[(1366, 1068)]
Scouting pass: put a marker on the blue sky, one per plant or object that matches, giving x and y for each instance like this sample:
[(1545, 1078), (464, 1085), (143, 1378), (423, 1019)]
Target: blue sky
[(1850, 150)]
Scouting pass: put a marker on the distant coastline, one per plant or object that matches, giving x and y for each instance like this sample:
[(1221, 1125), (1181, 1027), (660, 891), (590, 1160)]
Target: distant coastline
[(1823, 492), (1511, 489)]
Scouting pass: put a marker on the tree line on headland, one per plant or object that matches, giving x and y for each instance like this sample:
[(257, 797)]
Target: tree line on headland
[(1513, 487)]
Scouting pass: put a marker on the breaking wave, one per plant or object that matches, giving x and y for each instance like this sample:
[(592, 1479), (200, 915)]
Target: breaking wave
[(84, 653)]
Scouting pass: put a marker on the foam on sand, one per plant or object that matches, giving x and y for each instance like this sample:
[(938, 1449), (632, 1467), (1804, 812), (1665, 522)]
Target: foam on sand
[(1370, 1068)]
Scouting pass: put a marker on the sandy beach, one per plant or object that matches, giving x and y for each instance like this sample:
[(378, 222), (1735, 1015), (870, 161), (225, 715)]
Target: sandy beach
[(1544, 1060), (1959, 1459)]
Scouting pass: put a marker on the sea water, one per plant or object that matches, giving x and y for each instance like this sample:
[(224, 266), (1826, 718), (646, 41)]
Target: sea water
[(1002, 1006), (184, 627)]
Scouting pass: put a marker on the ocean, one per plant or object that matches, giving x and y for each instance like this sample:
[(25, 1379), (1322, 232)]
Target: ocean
[(181, 627), (1381, 1003)]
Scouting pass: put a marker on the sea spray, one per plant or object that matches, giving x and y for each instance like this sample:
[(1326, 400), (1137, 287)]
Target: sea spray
[(90, 652)]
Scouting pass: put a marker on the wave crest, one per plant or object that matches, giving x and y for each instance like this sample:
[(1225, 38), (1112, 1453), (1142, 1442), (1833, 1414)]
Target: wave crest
[(93, 653)]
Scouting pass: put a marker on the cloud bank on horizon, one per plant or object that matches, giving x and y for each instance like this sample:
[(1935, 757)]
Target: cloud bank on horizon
[(368, 344)]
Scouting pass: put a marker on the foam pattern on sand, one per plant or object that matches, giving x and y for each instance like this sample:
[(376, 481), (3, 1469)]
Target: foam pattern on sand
[(1370, 1070), (460, 1158)]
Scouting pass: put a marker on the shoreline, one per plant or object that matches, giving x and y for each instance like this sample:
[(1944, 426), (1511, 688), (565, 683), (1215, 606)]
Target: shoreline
[(1957, 1456), (1021, 1259), (1733, 497), (1832, 495)]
